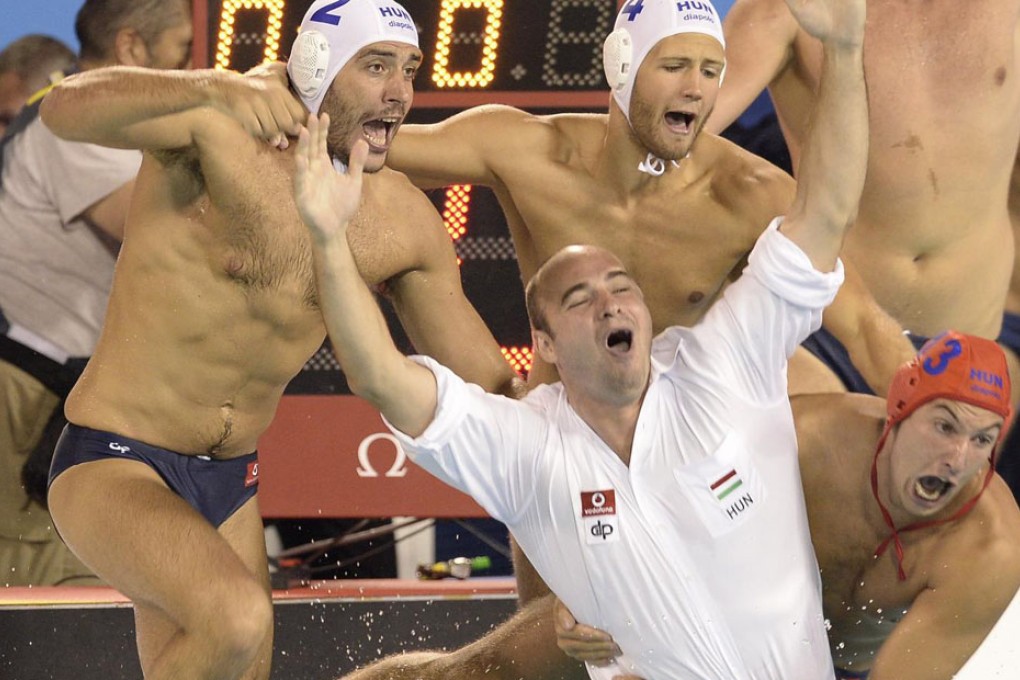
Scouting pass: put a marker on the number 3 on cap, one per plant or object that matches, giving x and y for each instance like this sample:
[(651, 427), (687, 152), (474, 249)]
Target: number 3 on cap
[(323, 15)]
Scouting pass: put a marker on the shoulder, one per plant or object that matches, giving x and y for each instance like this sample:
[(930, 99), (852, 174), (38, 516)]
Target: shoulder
[(746, 183), (980, 549), (830, 421), (391, 195), (534, 134)]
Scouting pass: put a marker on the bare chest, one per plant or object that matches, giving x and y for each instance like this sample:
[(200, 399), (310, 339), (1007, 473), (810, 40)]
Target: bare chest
[(260, 243), (681, 246), (933, 62)]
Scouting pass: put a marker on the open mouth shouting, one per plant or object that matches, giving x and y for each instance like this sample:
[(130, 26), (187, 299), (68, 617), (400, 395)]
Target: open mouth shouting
[(620, 341), (680, 122), (929, 489), (379, 132)]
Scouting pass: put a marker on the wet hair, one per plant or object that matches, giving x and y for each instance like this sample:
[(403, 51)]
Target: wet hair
[(34, 57), (99, 21)]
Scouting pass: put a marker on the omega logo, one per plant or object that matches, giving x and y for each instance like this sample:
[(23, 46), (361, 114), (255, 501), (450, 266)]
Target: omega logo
[(366, 469)]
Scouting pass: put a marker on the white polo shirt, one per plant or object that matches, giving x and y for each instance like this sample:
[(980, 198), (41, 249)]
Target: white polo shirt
[(55, 273), (696, 558)]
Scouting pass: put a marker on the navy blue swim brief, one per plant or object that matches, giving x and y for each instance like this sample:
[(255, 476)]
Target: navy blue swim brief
[(833, 354), (215, 488)]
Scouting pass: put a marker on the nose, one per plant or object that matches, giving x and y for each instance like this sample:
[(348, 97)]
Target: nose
[(958, 455), (693, 86), (399, 90), (609, 306)]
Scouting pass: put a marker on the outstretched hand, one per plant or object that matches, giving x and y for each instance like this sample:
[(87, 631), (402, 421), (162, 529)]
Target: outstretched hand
[(326, 199), (833, 21)]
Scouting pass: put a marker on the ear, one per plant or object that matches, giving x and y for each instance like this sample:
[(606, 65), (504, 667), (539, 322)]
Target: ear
[(129, 49), (544, 346)]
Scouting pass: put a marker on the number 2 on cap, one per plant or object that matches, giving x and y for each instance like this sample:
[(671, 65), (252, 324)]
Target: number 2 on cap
[(323, 15)]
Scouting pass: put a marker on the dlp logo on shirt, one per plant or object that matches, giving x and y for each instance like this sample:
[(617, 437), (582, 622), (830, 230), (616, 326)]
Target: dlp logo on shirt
[(598, 512)]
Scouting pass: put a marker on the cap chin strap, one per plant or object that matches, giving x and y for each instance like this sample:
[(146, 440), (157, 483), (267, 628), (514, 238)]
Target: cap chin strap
[(654, 166), (894, 537)]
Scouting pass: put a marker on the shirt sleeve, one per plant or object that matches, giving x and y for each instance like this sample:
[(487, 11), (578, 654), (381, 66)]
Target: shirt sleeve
[(79, 175), (747, 336), (483, 444)]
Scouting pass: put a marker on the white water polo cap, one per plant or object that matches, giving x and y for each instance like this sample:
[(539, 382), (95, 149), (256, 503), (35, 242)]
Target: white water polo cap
[(332, 32), (640, 25)]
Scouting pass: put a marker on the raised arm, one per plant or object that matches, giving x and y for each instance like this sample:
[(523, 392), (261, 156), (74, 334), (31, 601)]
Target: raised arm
[(873, 338), (376, 370), (430, 301), (759, 46), (834, 160), (463, 149), (138, 108)]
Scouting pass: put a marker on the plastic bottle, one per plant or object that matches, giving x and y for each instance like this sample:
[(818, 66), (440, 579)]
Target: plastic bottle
[(458, 567)]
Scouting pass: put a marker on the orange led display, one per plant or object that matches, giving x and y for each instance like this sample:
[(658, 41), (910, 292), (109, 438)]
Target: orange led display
[(519, 358), (445, 38), (455, 209), (226, 36)]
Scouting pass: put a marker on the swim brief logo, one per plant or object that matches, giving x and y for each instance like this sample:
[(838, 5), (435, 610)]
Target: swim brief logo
[(117, 446), (598, 513), (252, 476)]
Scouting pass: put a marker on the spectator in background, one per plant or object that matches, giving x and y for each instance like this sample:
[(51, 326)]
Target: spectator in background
[(28, 65), (62, 211)]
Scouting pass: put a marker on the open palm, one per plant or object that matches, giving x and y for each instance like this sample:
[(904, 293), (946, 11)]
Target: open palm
[(325, 198)]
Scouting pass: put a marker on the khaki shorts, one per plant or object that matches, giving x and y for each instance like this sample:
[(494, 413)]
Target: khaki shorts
[(31, 553)]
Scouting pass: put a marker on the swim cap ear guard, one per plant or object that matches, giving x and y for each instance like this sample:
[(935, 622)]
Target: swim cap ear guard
[(617, 58), (309, 63)]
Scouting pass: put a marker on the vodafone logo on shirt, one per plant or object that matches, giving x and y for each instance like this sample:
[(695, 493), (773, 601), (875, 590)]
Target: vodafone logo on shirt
[(595, 503)]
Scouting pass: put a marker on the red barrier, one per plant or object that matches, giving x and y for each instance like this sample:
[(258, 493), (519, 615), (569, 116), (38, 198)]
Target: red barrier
[(331, 456)]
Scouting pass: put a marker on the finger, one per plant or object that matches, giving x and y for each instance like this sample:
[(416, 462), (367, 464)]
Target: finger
[(589, 634), (359, 154), (288, 116), (564, 619), (303, 152), (321, 137)]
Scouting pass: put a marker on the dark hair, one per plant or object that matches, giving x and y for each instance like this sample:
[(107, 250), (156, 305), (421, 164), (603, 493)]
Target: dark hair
[(34, 57), (99, 21)]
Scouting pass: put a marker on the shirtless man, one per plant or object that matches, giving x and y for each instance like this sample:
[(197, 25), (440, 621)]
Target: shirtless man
[(214, 310), (931, 448), (681, 208), (932, 240)]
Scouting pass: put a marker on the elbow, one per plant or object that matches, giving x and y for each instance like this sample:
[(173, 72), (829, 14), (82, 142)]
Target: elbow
[(58, 114)]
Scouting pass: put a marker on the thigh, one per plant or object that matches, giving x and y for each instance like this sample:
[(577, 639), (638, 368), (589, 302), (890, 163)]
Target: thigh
[(243, 533), (120, 518)]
